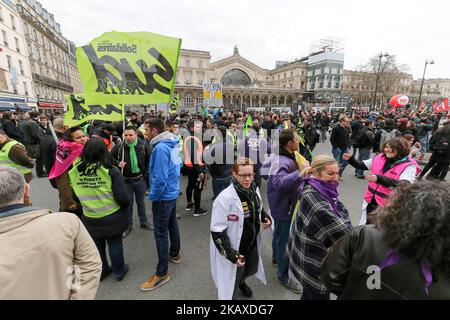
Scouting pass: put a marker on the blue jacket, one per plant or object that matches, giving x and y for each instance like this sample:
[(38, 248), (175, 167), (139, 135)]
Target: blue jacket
[(165, 164)]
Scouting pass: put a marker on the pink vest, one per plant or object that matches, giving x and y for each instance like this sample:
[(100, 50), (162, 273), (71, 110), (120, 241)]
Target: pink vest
[(380, 192)]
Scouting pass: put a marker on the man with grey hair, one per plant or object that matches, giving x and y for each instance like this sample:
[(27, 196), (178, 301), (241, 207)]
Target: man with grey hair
[(43, 255)]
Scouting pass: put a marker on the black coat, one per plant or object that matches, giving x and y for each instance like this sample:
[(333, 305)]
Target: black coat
[(365, 139), (345, 271), (48, 150), (340, 137), (143, 157), (12, 131), (311, 135), (32, 132), (437, 156), (223, 155), (269, 126)]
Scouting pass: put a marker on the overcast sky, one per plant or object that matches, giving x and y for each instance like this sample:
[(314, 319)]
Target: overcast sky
[(270, 30)]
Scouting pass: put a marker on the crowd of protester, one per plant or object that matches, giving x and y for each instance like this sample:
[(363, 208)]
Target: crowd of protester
[(100, 169)]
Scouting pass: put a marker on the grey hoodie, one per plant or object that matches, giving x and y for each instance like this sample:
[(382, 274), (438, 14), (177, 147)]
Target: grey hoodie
[(166, 135)]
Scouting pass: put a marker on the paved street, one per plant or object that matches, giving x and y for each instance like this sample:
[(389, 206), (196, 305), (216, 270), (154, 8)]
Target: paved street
[(192, 278)]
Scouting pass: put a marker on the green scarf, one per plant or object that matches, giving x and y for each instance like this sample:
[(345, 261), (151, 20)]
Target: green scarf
[(250, 193), (133, 157)]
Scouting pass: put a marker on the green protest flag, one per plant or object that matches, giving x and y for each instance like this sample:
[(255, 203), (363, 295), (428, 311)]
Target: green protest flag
[(174, 105), (248, 125), (129, 68), (78, 111)]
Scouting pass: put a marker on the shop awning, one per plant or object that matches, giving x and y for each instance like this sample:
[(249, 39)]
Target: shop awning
[(49, 105), (23, 106), (6, 106)]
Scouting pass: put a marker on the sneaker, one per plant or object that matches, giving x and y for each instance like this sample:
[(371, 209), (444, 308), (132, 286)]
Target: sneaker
[(125, 271), (293, 286), (147, 226), (245, 289), (106, 273), (200, 212), (190, 206), (178, 217), (176, 259), (127, 232), (154, 282)]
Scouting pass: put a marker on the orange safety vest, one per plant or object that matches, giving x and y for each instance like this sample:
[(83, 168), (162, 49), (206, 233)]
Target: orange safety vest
[(187, 155), (107, 141)]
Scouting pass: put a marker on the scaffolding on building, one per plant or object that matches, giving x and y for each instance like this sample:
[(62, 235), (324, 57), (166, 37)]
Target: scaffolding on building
[(328, 44)]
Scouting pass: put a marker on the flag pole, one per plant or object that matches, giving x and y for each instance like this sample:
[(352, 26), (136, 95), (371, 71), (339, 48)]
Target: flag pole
[(123, 132), (50, 125)]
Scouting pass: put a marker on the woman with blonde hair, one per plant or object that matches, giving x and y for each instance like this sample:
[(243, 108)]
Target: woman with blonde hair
[(321, 221)]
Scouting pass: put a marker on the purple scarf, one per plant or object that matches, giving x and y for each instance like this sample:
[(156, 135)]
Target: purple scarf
[(326, 189), (393, 257)]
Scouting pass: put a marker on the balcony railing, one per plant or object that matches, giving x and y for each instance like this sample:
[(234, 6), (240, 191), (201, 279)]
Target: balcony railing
[(51, 82), (24, 13)]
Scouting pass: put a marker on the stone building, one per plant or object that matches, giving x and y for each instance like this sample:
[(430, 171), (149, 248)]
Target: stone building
[(433, 89), (245, 85), (48, 53), (75, 80), (16, 90)]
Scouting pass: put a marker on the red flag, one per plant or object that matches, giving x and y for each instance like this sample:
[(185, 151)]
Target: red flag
[(434, 106), (442, 107)]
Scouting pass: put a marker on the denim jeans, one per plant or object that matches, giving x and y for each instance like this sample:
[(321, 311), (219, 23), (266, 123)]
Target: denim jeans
[(279, 243), (323, 135), (138, 188), (166, 225), (219, 185), (115, 253), (337, 154), (364, 154), (423, 145)]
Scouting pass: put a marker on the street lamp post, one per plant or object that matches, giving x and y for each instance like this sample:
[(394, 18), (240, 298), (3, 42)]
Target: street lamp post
[(378, 77), (423, 78)]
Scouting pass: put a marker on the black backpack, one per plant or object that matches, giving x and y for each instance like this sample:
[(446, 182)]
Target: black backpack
[(439, 143)]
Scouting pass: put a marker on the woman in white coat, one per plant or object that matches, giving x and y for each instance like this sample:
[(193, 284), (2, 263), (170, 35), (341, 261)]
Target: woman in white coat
[(235, 247)]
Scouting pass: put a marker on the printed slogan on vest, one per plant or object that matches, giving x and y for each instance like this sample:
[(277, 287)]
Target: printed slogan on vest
[(129, 68), (78, 111)]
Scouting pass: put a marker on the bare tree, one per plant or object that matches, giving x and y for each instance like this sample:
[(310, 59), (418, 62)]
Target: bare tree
[(390, 77)]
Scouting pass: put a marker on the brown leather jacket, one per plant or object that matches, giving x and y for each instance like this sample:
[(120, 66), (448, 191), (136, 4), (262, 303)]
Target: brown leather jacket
[(18, 154)]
